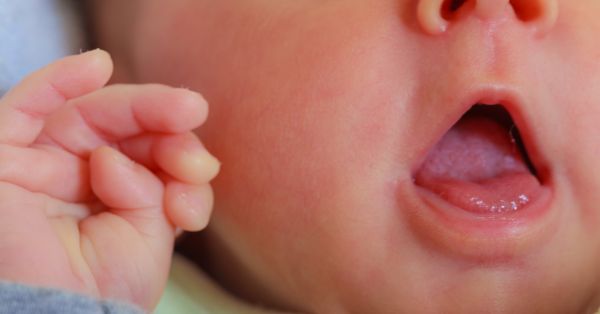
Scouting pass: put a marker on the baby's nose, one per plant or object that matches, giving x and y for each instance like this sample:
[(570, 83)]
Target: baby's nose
[(436, 16)]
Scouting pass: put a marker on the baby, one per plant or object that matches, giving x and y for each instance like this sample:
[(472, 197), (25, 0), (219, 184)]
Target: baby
[(421, 156)]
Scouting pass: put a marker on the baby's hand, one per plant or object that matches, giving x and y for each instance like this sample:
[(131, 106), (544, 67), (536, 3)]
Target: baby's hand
[(94, 180)]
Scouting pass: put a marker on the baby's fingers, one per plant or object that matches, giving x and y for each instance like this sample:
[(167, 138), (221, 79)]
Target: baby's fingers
[(187, 167), (188, 206), (47, 170), (133, 241), (182, 156), (24, 108), (119, 112), (130, 190), (185, 158)]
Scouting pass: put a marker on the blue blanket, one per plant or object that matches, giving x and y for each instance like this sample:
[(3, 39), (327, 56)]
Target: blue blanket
[(33, 33)]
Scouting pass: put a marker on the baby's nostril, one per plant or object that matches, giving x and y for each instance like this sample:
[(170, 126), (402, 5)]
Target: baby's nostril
[(450, 7), (456, 4), (527, 10)]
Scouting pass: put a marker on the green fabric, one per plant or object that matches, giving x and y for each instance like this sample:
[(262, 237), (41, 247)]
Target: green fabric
[(189, 290), (179, 294)]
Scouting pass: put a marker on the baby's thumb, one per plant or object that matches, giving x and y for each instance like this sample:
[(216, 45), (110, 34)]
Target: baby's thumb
[(132, 192)]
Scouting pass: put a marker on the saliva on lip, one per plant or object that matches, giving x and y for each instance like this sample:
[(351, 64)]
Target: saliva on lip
[(502, 206)]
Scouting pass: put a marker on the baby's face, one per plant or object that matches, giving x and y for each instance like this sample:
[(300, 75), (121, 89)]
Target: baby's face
[(351, 184)]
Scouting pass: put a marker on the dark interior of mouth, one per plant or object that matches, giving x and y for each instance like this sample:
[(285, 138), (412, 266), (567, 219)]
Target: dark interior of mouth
[(498, 114), (481, 164)]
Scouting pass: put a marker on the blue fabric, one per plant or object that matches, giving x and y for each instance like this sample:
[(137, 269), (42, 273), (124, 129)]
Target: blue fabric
[(20, 299), (34, 33)]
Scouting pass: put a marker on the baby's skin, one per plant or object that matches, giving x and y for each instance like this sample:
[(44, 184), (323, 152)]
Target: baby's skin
[(344, 188), (356, 177), (95, 180)]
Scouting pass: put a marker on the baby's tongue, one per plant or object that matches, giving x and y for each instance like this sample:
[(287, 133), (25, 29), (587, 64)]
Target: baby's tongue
[(478, 167)]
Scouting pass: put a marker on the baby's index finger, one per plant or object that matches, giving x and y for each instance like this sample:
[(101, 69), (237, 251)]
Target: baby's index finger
[(170, 110), (24, 108), (119, 112)]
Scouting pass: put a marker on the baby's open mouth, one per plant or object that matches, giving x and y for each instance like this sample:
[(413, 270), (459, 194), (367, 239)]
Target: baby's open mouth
[(483, 192), (481, 165)]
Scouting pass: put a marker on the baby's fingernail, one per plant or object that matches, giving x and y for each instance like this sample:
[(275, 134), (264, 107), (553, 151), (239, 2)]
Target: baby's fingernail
[(202, 166)]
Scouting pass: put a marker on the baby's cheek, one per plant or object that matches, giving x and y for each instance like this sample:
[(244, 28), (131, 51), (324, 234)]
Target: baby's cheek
[(301, 150), (571, 117), (581, 172)]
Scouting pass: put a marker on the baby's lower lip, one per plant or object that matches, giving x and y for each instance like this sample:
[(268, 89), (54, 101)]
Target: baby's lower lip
[(482, 236), (502, 196)]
